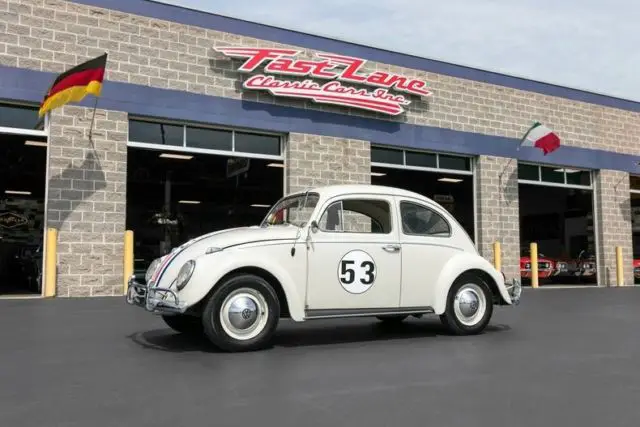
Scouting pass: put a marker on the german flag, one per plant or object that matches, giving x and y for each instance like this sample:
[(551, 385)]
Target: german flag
[(74, 84)]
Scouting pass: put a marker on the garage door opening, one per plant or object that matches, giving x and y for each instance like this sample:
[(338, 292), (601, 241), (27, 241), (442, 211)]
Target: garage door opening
[(556, 212), (174, 196), (446, 179), (23, 165)]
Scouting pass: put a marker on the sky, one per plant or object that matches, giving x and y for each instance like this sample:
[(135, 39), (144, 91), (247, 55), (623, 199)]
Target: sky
[(592, 45)]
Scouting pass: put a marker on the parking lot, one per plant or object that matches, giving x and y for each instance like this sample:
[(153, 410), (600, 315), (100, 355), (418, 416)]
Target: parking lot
[(563, 357)]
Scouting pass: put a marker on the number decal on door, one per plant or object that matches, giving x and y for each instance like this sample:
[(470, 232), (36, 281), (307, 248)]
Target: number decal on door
[(357, 272)]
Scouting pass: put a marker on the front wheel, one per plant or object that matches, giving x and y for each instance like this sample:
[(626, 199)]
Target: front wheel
[(469, 306), (242, 314)]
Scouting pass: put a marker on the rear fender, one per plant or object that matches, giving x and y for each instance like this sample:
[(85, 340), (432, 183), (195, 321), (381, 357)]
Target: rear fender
[(456, 266)]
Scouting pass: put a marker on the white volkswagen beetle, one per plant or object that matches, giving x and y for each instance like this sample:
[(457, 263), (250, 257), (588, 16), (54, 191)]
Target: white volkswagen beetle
[(329, 252)]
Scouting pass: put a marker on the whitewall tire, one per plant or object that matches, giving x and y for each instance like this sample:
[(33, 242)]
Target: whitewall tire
[(241, 314), (469, 306)]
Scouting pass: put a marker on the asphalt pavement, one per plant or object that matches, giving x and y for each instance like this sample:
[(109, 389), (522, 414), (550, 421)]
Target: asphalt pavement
[(564, 357)]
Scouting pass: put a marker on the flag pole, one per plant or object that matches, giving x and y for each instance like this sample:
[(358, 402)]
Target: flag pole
[(93, 118)]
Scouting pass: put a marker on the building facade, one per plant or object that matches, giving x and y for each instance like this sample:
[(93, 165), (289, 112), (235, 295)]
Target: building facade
[(181, 67)]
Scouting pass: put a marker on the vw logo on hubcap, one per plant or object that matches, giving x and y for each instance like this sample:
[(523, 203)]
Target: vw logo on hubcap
[(246, 313)]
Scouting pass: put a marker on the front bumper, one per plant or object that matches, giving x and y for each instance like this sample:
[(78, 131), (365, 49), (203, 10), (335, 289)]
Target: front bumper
[(515, 291), (155, 300)]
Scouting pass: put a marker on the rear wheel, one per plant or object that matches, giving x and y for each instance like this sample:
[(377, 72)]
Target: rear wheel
[(184, 324), (242, 314), (469, 306)]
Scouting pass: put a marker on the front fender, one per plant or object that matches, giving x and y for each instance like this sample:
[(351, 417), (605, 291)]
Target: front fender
[(210, 268), (457, 265)]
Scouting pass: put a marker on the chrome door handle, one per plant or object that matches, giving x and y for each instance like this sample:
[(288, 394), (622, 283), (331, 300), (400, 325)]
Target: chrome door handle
[(391, 248)]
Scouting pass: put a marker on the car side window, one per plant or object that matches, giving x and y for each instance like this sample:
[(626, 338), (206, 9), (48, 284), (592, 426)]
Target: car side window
[(357, 216), (422, 221)]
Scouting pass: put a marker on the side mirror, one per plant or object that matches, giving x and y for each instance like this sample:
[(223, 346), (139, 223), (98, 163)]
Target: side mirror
[(314, 226)]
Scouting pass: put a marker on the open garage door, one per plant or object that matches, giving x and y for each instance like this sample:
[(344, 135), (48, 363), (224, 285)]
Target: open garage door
[(556, 212), (23, 166), (445, 178), (199, 181)]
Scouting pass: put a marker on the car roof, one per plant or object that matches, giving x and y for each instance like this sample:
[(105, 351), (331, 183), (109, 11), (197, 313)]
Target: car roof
[(337, 190)]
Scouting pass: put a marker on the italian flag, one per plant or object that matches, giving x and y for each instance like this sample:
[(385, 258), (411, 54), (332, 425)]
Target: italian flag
[(542, 137)]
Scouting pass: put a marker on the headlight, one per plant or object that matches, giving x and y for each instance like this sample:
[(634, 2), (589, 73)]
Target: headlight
[(152, 269), (185, 274)]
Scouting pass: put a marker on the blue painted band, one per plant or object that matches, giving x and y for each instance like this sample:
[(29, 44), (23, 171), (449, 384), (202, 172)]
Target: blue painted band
[(29, 85), (186, 16)]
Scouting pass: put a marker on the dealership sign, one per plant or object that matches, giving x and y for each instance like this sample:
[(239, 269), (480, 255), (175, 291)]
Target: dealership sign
[(342, 72)]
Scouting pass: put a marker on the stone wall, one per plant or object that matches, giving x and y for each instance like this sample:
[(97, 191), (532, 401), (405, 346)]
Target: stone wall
[(53, 35), (321, 160), (498, 211), (87, 199), (613, 210)]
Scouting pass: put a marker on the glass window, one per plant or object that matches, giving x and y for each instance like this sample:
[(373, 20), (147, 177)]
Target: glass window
[(259, 144), (425, 160), (423, 221), (212, 139), (357, 216), (295, 210), (548, 174), (528, 172), (17, 116), (387, 155), (578, 177), (156, 133), (634, 182), (454, 163)]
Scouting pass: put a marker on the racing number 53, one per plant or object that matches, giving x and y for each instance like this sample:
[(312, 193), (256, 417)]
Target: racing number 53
[(357, 272), (348, 274)]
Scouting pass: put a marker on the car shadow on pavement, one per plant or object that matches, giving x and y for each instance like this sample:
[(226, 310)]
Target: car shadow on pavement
[(292, 335)]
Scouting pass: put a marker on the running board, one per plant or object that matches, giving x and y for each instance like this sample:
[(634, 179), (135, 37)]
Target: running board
[(328, 313)]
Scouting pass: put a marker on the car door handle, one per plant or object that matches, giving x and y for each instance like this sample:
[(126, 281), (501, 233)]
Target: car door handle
[(391, 248)]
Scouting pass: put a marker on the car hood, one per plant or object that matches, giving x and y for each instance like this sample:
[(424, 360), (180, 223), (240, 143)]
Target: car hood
[(237, 236)]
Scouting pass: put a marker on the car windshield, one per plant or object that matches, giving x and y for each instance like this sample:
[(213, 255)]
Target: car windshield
[(295, 210)]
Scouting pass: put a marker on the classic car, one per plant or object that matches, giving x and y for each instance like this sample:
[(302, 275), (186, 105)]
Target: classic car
[(587, 266), (329, 252), (636, 268), (546, 266)]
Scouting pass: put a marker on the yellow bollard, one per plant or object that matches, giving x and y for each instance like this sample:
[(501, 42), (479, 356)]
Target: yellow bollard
[(619, 267), (128, 258), (51, 258), (497, 256), (534, 264)]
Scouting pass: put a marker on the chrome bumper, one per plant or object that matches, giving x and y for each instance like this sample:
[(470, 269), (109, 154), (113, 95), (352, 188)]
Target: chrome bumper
[(155, 300), (515, 291)]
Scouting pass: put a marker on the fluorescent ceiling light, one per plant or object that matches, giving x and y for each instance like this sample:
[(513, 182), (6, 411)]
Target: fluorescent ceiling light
[(450, 180), (176, 156), (275, 165), (260, 206), (26, 193), (378, 174), (566, 170), (189, 202), (36, 143)]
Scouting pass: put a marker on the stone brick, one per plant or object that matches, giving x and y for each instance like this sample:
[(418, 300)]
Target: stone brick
[(498, 206), (80, 220), (613, 210)]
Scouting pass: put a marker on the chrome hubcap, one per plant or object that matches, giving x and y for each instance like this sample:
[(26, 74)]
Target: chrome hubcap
[(244, 313), (470, 304)]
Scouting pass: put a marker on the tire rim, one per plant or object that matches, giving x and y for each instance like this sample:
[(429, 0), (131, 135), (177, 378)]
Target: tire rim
[(470, 304), (244, 314)]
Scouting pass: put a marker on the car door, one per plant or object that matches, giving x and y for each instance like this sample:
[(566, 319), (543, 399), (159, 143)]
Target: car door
[(427, 245), (354, 258)]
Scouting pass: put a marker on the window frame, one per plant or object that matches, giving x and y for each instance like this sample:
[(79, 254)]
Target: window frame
[(429, 208), (366, 198)]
